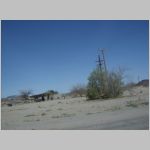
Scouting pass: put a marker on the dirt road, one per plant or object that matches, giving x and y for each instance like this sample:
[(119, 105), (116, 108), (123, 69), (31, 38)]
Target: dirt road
[(119, 120)]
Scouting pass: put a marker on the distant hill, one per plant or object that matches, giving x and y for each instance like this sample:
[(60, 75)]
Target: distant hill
[(12, 97), (143, 83)]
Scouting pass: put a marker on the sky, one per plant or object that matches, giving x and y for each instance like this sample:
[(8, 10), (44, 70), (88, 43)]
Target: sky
[(44, 55)]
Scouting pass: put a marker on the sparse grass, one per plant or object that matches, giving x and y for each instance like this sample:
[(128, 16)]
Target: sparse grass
[(132, 104), (113, 108), (63, 115), (21, 109), (145, 103), (90, 113), (31, 120), (11, 110), (67, 115), (30, 115), (136, 103), (37, 120), (55, 116), (48, 110), (60, 109), (43, 114)]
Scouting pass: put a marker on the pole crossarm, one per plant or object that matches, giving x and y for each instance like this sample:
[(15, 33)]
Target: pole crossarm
[(101, 60)]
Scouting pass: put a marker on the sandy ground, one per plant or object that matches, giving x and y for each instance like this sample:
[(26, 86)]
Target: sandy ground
[(128, 112)]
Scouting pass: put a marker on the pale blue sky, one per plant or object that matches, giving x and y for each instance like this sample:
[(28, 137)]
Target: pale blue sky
[(43, 55)]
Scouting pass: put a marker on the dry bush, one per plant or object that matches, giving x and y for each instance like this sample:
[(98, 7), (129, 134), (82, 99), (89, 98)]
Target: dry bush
[(103, 85), (78, 90)]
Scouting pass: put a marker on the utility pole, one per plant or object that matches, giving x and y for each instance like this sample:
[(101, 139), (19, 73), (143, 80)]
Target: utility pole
[(101, 60), (103, 76)]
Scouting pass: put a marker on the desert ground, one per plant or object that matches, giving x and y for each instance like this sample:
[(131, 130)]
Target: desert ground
[(129, 112)]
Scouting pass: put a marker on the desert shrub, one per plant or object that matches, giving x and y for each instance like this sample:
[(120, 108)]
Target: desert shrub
[(132, 104), (78, 90), (103, 85)]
